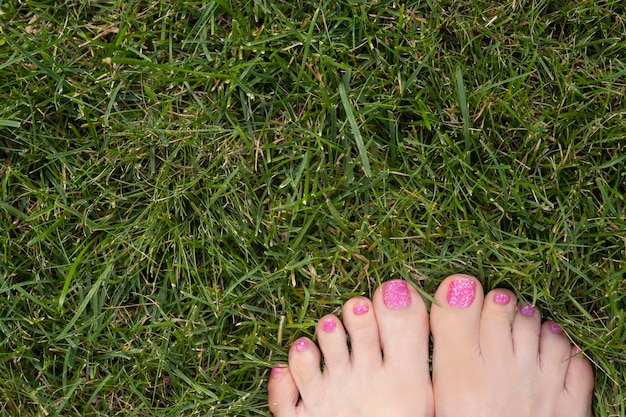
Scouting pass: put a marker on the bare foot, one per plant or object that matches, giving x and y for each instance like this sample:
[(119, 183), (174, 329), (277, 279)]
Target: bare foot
[(385, 373), (493, 357)]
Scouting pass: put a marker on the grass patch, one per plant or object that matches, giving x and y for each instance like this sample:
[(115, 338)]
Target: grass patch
[(185, 187)]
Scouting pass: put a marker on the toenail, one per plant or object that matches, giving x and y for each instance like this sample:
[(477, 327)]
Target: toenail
[(276, 371), (301, 345), (576, 349), (501, 298), (528, 310), (329, 324), (360, 308), (461, 292), (555, 327), (396, 294)]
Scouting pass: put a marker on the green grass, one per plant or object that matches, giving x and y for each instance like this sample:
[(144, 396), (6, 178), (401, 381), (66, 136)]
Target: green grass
[(186, 186)]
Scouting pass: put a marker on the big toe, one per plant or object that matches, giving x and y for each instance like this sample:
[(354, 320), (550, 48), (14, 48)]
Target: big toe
[(455, 326), (455, 317), (404, 332)]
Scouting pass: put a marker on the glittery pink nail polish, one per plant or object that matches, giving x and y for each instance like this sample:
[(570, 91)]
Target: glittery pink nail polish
[(301, 345), (277, 371), (329, 324), (501, 298), (359, 308), (527, 310), (396, 294), (461, 292), (555, 327)]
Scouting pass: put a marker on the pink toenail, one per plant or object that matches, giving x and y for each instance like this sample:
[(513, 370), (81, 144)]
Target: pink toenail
[(528, 310), (360, 309), (396, 294), (276, 371), (555, 327), (501, 298), (329, 324), (576, 349), (461, 292), (301, 345)]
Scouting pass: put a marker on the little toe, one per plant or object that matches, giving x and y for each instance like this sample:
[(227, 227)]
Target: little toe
[(331, 337), (282, 392), (579, 380), (567, 376), (359, 319)]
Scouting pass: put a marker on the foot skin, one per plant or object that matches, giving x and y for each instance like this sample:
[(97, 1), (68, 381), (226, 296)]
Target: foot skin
[(384, 373), (493, 357)]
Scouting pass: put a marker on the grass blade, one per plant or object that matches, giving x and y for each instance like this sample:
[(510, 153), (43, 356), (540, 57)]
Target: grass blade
[(9, 123), (464, 110), (355, 130)]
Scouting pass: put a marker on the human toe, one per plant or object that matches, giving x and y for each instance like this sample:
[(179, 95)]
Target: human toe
[(498, 312), (359, 320), (455, 317), (403, 326), (282, 392), (331, 337)]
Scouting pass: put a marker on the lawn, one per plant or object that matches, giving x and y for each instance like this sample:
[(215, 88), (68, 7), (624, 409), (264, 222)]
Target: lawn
[(187, 185)]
